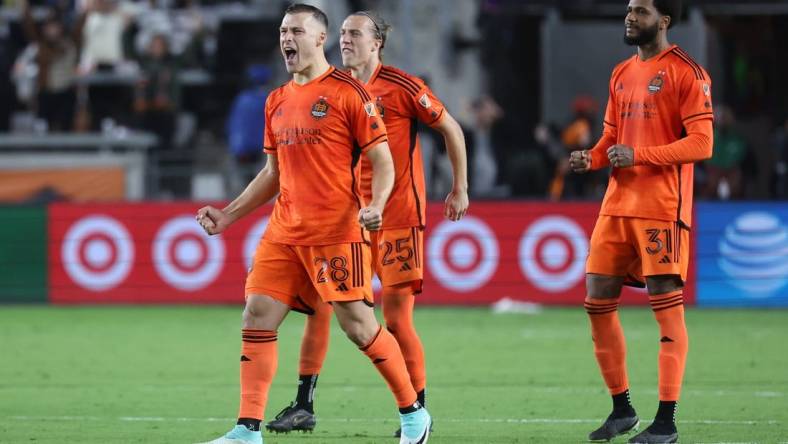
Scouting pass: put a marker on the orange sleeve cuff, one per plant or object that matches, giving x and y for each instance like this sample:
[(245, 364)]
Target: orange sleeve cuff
[(598, 153)]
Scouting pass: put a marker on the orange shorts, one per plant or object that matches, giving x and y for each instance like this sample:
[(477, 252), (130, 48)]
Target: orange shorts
[(396, 256), (301, 276), (634, 248)]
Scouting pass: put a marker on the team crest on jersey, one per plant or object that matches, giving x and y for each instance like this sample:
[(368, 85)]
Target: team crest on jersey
[(320, 108), (655, 85), (425, 101), (370, 109), (706, 89)]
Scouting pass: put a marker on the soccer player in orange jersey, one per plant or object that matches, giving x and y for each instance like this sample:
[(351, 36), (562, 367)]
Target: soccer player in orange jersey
[(657, 124), (397, 250), (317, 128)]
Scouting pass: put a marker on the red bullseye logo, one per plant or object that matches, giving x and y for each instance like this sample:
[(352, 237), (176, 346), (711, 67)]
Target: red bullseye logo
[(552, 253), (465, 252), (184, 256), (556, 257), (189, 252), (97, 253), (463, 255)]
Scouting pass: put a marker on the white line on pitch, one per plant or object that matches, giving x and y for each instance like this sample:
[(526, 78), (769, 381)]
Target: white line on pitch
[(539, 389), (456, 420), (542, 389)]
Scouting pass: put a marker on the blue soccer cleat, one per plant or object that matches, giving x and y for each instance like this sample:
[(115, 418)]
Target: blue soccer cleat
[(239, 435), (415, 427)]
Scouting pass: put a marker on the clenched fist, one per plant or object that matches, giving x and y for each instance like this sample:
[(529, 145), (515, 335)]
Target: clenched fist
[(580, 161), (621, 156), (370, 218), (212, 220)]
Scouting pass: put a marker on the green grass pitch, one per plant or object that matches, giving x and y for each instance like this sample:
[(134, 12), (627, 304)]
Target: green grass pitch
[(169, 375)]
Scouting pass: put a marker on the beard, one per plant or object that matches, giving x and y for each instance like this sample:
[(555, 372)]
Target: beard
[(644, 37)]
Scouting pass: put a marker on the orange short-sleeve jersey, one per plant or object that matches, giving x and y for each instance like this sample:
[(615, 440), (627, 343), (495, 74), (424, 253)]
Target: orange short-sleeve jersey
[(318, 132), (402, 100), (650, 104)]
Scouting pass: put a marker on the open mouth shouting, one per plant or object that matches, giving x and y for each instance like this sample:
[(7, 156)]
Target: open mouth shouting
[(291, 55)]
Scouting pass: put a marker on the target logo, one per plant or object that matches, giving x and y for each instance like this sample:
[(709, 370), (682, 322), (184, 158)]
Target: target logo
[(97, 253), (252, 240), (184, 256), (463, 255), (552, 252)]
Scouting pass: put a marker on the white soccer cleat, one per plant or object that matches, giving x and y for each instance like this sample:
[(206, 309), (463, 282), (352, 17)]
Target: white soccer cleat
[(415, 427), (239, 435)]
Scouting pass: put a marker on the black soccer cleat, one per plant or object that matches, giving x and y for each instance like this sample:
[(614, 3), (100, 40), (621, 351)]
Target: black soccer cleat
[(657, 433), (292, 418), (615, 426)]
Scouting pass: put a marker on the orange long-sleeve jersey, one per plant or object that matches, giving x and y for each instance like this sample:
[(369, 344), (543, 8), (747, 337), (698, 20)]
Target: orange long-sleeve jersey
[(662, 108)]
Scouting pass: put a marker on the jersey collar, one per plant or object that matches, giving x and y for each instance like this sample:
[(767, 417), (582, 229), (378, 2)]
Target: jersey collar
[(656, 57), (374, 75), (318, 79)]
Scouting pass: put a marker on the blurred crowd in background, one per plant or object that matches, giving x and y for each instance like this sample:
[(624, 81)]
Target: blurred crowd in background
[(196, 75)]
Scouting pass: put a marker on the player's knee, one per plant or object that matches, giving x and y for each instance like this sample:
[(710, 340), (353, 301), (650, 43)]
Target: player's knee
[(255, 308), (359, 333), (397, 320), (392, 321), (249, 314), (263, 312), (397, 307), (251, 317), (357, 320)]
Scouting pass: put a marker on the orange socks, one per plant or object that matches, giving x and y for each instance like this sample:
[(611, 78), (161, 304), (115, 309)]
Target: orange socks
[(314, 344), (398, 313), (384, 352), (673, 344), (610, 348), (258, 365), (609, 345)]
